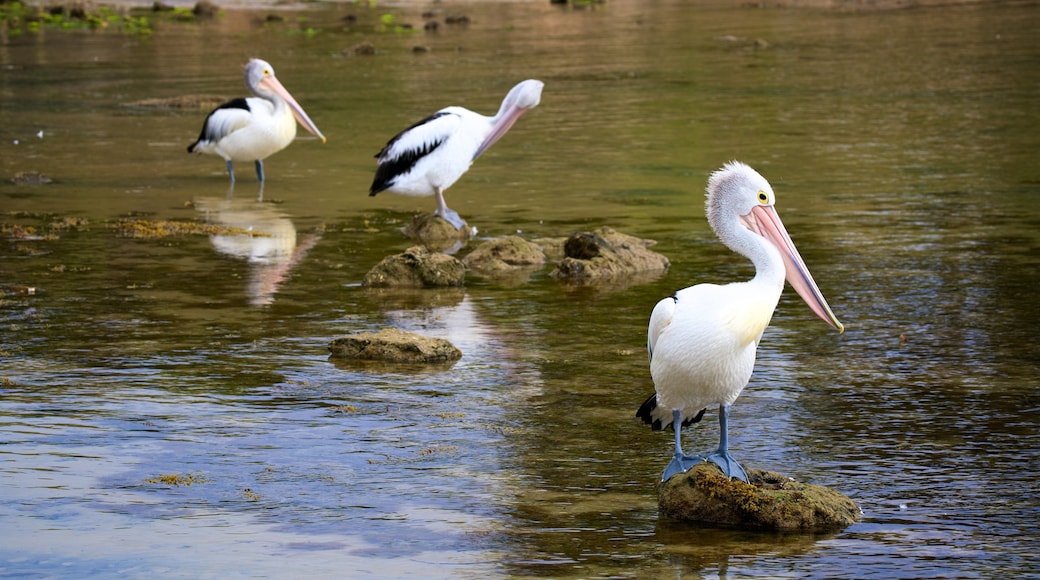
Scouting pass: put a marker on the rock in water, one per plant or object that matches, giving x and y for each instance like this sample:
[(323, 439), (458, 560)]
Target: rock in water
[(606, 253), (417, 267), (505, 255), (435, 232), (393, 345), (772, 501)]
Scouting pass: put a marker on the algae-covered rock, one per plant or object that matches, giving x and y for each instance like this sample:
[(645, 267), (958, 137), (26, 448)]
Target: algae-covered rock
[(393, 345), (30, 178), (416, 267), (606, 253), (435, 232), (771, 501), (503, 255)]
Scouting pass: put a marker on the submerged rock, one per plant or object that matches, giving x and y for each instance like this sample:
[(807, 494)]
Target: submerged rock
[(772, 501), (606, 253), (393, 345), (30, 178), (416, 267), (191, 102)]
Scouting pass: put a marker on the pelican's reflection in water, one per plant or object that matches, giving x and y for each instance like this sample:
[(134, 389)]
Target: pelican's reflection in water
[(260, 234)]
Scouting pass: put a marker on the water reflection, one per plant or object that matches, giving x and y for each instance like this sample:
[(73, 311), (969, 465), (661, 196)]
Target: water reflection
[(260, 234)]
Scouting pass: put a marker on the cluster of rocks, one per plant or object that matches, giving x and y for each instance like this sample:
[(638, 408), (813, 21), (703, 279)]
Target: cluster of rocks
[(602, 254)]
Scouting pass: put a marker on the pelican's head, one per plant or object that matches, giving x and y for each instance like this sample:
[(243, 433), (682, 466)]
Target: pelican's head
[(735, 190), (256, 71), (520, 99), (525, 95), (740, 210), (261, 80)]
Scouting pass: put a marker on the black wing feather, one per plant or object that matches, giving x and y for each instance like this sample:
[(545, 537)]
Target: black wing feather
[(390, 168), (206, 135)]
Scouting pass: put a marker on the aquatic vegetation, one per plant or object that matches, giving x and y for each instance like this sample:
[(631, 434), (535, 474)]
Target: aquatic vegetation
[(388, 23), (152, 229), (176, 479), (19, 18)]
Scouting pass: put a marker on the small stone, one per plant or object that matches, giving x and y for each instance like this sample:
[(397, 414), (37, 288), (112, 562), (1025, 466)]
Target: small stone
[(393, 345), (30, 178), (205, 9), (361, 49)]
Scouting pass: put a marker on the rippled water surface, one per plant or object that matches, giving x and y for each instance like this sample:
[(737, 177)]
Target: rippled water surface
[(903, 149)]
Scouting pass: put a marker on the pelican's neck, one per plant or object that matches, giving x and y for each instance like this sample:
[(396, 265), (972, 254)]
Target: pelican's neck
[(276, 100), (503, 109), (769, 264)]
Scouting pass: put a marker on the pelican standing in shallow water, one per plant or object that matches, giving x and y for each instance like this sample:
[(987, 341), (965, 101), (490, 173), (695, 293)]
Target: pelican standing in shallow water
[(702, 339), (428, 157), (254, 128)]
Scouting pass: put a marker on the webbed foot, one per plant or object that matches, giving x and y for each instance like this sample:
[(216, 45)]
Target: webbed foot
[(729, 466), (680, 463), (452, 217)]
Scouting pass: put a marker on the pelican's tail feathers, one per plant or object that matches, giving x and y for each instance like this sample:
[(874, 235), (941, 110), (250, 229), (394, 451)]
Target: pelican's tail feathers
[(660, 419)]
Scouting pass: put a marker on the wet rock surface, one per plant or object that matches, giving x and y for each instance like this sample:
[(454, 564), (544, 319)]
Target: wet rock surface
[(436, 233), (393, 345), (505, 254), (601, 255), (772, 501), (416, 267), (606, 253)]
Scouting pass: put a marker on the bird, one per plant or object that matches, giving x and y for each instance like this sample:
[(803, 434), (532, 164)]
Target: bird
[(254, 128), (431, 155), (701, 340)]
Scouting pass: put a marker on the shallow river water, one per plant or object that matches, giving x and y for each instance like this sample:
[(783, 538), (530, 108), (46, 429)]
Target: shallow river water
[(168, 406)]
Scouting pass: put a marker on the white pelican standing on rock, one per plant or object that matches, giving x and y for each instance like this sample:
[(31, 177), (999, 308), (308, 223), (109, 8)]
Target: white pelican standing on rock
[(254, 128), (702, 339), (431, 155)]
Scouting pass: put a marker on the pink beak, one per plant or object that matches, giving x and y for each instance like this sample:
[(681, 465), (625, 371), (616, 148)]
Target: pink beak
[(764, 220), (500, 129), (297, 111)]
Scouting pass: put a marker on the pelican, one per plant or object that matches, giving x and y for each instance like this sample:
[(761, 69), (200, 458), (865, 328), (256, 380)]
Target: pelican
[(702, 339), (254, 128), (431, 155)]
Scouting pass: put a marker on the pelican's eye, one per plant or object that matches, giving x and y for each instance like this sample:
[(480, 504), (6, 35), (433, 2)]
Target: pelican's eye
[(763, 197)]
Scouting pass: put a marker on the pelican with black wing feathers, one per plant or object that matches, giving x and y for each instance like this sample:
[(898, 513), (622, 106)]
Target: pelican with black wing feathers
[(254, 128), (702, 339), (431, 155)]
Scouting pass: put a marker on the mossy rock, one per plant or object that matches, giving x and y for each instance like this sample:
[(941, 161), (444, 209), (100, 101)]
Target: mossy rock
[(417, 267), (503, 255), (772, 501), (607, 254), (435, 232), (393, 345)]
